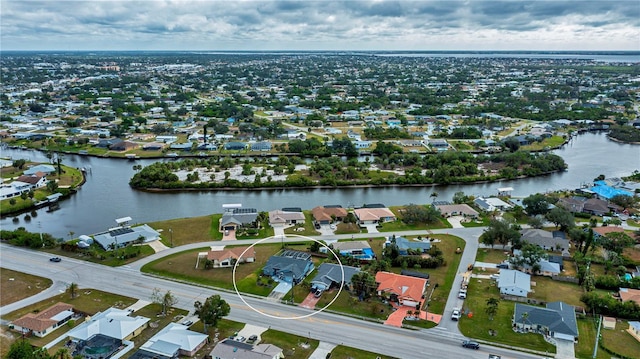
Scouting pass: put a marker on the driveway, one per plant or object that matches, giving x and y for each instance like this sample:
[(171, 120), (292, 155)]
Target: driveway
[(157, 246), (395, 319), (310, 301), (322, 350), (564, 349), (280, 291), (371, 228), (250, 330), (455, 221), (485, 265), (230, 236), (325, 230)]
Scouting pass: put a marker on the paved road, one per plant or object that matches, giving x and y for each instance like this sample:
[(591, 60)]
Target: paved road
[(441, 342)]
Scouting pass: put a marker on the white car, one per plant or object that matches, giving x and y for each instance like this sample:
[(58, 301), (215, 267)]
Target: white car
[(456, 315), (462, 294)]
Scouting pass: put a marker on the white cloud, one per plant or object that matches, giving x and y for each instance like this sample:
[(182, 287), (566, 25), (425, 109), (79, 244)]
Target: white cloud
[(318, 25)]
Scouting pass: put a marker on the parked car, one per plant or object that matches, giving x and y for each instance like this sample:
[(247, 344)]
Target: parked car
[(238, 338), (470, 344), (253, 338), (455, 315), (493, 356), (188, 323), (503, 266), (462, 294), (55, 259)]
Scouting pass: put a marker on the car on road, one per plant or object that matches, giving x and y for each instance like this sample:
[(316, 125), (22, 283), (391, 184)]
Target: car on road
[(55, 259), (470, 344), (493, 356), (455, 315)]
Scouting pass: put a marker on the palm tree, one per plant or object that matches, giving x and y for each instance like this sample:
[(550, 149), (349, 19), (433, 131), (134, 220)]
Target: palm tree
[(73, 288), (492, 307), (433, 196)]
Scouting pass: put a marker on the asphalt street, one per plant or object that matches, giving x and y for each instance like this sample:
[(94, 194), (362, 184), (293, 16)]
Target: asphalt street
[(443, 341)]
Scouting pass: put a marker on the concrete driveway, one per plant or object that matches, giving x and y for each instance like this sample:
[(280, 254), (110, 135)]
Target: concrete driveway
[(455, 221), (565, 349), (325, 230), (371, 228), (280, 291)]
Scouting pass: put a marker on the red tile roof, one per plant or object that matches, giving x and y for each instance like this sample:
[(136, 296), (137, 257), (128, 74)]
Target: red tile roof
[(233, 252), (42, 320), (401, 285)]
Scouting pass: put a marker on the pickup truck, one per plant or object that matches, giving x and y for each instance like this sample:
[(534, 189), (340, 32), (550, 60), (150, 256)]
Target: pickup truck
[(455, 315)]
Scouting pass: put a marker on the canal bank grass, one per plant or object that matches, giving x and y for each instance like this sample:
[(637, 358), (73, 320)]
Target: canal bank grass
[(15, 286), (478, 325), (343, 352), (182, 266), (547, 143), (188, 230)]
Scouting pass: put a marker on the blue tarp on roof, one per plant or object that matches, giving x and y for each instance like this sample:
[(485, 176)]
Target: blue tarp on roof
[(603, 190)]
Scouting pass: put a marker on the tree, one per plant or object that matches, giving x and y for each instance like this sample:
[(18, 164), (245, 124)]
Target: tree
[(536, 204), (433, 196), (460, 198), (168, 301), (536, 222), (363, 284), (419, 214), (72, 289), (211, 310), (52, 186), (501, 232), (561, 218), (492, 307), (531, 254), (623, 201), (22, 349)]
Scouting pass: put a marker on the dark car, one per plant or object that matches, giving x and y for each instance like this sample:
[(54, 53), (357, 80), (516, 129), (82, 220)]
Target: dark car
[(503, 266), (55, 259), (470, 344)]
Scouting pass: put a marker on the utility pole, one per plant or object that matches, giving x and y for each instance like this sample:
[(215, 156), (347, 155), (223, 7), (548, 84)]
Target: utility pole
[(171, 236), (595, 346)]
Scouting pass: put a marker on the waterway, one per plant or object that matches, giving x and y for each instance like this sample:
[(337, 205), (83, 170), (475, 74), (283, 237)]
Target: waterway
[(106, 195)]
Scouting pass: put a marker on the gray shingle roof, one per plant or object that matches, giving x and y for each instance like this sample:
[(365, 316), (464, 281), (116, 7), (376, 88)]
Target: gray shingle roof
[(559, 317)]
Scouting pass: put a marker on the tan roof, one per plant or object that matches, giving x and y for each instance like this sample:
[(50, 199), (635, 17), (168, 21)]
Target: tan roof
[(446, 209), (347, 246), (373, 214), (42, 320), (233, 252), (608, 229), (630, 294), (279, 216), (324, 214)]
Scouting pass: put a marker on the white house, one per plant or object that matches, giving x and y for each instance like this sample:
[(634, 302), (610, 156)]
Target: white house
[(513, 282), (175, 339), (113, 322)]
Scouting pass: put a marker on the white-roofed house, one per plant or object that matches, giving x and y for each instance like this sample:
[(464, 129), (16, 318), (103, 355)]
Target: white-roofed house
[(175, 339), (113, 322), (491, 204), (513, 282)]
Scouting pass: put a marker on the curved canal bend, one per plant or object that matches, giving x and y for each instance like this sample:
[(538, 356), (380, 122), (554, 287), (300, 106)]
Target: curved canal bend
[(106, 195)]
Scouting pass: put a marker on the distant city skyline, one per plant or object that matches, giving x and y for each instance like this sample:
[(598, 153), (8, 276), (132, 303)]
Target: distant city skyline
[(269, 25)]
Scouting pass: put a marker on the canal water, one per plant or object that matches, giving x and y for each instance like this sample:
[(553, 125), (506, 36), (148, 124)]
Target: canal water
[(107, 195)]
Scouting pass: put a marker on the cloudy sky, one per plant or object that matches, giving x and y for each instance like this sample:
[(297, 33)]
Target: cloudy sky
[(319, 25)]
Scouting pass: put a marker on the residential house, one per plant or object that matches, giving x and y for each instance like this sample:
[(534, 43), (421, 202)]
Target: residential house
[(124, 235), (232, 349), (228, 257), (332, 276), (634, 330), (261, 146), (46, 169), (280, 218), (235, 146), (356, 249), (153, 146), (328, 214), (175, 340), (44, 322), (404, 290), (513, 282), (108, 142), (35, 181), (14, 189), (373, 215), (290, 266), (113, 322), (123, 146), (629, 294), (573, 204), (549, 241), (557, 320), (439, 144), (544, 266), (449, 210), (491, 204), (239, 217), (185, 146), (604, 230), (407, 247), (596, 206)]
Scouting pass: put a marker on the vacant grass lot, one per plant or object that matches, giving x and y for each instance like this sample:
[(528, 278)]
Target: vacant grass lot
[(478, 324), (15, 286), (293, 346), (491, 255), (183, 266), (342, 352), (109, 260), (189, 230)]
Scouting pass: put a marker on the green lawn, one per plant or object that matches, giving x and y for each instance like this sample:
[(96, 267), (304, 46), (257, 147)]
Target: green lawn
[(293, 346), (491, 255), (619, 341), (309, 229), (342, 352), (584, 348), (182, 266), (109, 258), (189, 230), (478, 324)]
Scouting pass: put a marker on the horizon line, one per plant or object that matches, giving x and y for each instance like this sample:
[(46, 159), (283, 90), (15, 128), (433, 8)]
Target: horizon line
[(349, 51)]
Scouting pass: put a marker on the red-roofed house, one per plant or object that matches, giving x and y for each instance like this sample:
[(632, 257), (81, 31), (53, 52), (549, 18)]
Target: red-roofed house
[(403, 289), (229, 257), (35, 181), (327, 215), (630, 294), (44, 322)]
